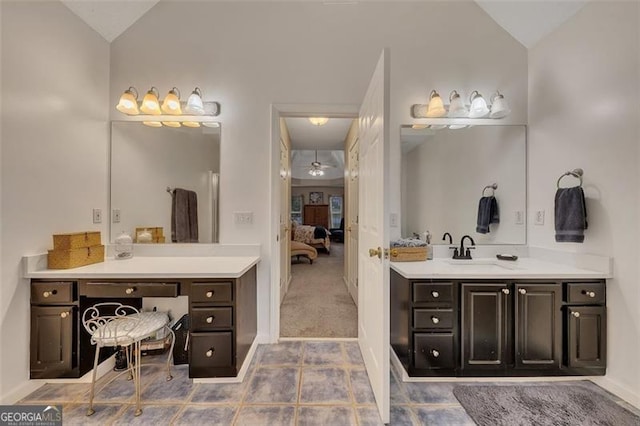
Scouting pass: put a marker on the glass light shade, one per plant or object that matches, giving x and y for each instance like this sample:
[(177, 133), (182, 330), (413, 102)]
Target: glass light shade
[(499, 107), (172, 123), (128, 103), (419, 126), (190, 124), (438, 126), (318, 121), (194, 105), (171, 103), (478, 107), (436, 106), (213, 124), (457, 108), (150, 104), (457, 126), (152, 123), (316, 172)]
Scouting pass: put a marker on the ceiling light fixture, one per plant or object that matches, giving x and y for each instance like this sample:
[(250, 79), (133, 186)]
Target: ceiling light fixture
[(499, 106), (436, 106), (128, 103), (478, 107), (316, 172), (318, 121), (171, 103)]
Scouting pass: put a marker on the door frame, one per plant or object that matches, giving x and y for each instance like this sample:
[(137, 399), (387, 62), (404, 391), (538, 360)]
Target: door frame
[(284, 111)]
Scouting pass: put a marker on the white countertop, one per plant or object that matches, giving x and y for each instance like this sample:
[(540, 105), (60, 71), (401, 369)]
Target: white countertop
[(155, 267), (492, 268)]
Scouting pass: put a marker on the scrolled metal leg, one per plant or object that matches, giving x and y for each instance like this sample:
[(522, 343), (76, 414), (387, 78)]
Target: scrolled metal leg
[(127, 350), (90, 411), (170, 357), (137, 383)]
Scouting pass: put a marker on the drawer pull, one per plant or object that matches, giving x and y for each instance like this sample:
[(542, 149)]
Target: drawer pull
[(130, 290), (591, 294), (49, 293), (210, 294), (435, 353), (435, 320), (210, 319), (576, 314), (435, 294), (210, 352), (64, 314), (522, 291), (506, 291)]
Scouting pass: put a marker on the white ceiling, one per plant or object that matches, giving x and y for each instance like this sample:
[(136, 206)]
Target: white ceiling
[(526, 20), (305, 135)]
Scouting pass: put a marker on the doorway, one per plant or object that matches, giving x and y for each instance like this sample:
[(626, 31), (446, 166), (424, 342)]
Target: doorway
[(316, 299)]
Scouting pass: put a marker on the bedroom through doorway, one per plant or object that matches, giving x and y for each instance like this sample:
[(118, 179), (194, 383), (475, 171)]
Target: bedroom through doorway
[(317, 301)]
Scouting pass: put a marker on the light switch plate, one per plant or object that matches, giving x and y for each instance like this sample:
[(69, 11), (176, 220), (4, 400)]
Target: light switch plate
[(393, 219), (97, 215), (243, 218), (539, 217), (518, 217), (116, 216)]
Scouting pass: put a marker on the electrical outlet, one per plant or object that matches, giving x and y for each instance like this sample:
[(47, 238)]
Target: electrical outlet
[(393, 219), (539, 217), (243, 218), (97, 215), (519, 217), (116, 216)]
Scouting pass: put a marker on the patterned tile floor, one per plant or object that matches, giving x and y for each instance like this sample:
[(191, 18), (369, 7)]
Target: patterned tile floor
[(291, 383)]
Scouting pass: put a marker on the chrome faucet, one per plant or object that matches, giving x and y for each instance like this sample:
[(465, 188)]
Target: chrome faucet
[(444, 237), (462, 254)]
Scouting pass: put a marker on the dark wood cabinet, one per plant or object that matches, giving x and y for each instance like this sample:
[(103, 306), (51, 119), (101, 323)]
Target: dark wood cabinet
[(316, 215), (498, 327)]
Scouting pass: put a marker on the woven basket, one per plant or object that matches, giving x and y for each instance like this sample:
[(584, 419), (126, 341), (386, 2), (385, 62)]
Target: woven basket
[(408, 254), (65, 259), (76, 240)]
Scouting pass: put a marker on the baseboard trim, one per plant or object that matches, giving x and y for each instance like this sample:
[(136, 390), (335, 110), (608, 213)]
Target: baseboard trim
[(618, 390), (318, 339)]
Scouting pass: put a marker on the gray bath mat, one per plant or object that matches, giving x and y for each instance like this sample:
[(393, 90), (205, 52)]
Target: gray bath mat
[(551, 405)]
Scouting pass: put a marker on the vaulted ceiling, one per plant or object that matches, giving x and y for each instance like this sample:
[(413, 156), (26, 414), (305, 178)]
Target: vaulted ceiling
[(526, 20)]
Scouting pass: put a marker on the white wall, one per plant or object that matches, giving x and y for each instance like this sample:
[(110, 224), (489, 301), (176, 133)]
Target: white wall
[(250, 55), (584, 112), (146, 160), (55, 79)]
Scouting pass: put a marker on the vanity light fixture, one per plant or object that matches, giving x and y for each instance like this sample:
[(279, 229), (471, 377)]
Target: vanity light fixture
[(457, 108), (128, 103), (171, 103), (436, 106), (150, 103), (478, 107), (195, 105), (499, 106), (319, 121)]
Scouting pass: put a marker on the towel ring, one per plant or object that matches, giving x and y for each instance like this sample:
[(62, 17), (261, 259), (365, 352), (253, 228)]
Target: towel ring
[(493, 186), (577, 173)]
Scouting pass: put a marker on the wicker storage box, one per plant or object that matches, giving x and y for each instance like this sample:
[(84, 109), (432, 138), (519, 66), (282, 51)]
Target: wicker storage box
[(65, 259), (76, 240), (157, 234), (408, 254)]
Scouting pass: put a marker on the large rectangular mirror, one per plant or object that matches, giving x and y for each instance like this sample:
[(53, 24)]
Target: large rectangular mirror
[(444, 175), (148, 164)]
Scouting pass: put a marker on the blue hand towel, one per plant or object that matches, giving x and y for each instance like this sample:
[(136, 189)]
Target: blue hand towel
[(487, 214), (570, 215)]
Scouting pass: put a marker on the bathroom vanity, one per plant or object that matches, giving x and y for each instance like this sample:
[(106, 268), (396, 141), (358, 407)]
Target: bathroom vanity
[(221, 295), (494, 318)]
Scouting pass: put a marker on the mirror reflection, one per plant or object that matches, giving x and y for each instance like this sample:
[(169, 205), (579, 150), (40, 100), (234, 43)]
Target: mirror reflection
[(164, 183), (444, 175)]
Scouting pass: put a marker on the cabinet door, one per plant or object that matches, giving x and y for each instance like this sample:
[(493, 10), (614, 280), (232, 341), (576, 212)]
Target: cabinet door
[(538, 325), (586, 336), (51, 340), (485, 335)]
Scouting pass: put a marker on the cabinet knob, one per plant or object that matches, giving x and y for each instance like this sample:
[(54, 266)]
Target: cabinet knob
[(435, 320), (435, 353), (591, 293), (130, 290), (210, 352), (506, 291), (435, 294), (46, 294), (522, 291), (210, 293), (576, 314), (210, 319), (64, 314)]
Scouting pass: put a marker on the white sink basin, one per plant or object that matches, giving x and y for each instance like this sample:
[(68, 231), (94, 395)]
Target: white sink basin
[(485, 265)]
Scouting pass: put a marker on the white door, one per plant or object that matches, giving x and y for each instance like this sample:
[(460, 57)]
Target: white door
[(285, 215), (351, 222), (373, 268)]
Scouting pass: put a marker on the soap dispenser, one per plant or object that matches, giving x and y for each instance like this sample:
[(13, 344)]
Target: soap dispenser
[(124, 246)]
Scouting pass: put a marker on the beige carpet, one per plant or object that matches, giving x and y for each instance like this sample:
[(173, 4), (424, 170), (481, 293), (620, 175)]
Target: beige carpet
[(318, 303)]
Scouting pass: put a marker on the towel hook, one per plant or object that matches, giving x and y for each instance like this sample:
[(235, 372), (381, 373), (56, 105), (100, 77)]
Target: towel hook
[(493, 187), (169, 190), (577, 173)]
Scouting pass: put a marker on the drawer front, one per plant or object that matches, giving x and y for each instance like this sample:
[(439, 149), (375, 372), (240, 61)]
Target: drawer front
[(434, 351), (129, 289), (586, 293), (51, 292), (433, 318), (206, 319), (211, 292), (433, 293), (211, 350)]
